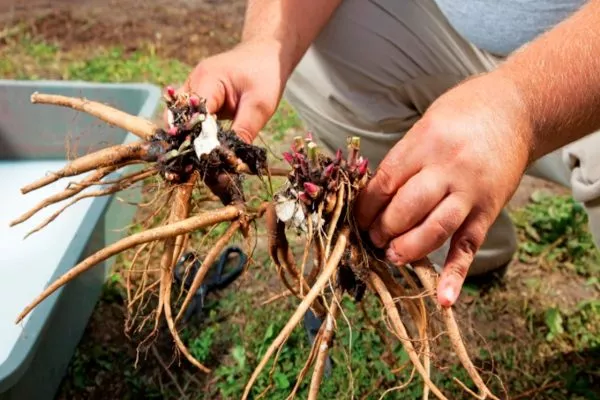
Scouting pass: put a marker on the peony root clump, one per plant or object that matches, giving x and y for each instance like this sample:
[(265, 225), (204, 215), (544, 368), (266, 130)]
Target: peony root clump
[(195, 154)]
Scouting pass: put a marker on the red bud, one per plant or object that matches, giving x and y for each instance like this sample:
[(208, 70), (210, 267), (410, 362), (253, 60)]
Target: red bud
[(328, 170), (338, 155), (173, 131), (311, 189), (171, 91), (304, 198), (194, 101), (288, 157), (362, 166)]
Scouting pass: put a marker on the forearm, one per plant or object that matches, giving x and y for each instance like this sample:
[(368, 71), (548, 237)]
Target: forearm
[(290, 24), (558, 79)]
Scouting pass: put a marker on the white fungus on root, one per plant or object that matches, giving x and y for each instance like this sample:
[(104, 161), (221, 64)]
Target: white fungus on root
[(290, 211), (208, 140)]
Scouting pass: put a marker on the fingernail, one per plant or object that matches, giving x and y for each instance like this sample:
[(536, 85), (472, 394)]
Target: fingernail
[(376, 239), (393, 257), (447, 296)]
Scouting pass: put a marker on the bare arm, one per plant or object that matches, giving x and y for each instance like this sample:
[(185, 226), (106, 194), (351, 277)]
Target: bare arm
[(558, 77), (290, 24)]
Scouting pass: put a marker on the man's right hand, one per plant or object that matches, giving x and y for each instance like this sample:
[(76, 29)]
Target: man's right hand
[(244, 84)]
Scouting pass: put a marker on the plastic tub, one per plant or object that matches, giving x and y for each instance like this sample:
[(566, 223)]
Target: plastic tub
[(35, 139)]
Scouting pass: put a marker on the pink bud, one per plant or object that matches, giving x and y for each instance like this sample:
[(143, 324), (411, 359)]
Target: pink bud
[(304, 198), (288, 157), (311, 189), (194, 102), (338, 155), (328, 171), (173, 131), (309, 136), (171, 91), (362, 166)]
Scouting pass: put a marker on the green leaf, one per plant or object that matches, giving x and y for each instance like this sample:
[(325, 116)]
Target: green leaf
[(239, 355), (281, 380), (554, 322)]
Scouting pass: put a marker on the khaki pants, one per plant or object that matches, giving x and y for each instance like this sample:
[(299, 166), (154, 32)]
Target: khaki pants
[(375, 69)]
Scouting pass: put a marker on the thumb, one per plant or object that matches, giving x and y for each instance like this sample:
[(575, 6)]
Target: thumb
[(251, 116)]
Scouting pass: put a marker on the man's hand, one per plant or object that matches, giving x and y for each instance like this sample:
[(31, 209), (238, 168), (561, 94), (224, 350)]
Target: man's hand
[(455, 170), (244, 84), (449, 177)]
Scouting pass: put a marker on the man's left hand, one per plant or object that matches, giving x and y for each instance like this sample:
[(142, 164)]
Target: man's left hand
[(449, 177)]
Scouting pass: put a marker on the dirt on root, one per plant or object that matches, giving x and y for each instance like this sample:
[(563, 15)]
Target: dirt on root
[(187, 30)]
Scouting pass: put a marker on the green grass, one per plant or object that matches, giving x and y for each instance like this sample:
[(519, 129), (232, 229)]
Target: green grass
[(553, 236), (30, 58), (554, 228)]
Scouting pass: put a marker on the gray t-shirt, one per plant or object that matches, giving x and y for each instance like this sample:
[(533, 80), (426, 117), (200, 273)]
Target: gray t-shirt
[(502, 26)]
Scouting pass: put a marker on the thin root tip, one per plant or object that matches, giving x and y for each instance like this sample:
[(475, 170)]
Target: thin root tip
[(20, 318)]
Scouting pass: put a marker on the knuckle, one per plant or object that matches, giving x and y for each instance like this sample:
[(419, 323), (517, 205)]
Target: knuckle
[(263, 107), (385, 233), (441, 230), (385, 181), (467, 245), (409, 252), (459, 270)]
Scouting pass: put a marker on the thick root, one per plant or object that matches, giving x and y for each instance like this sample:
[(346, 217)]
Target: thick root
[(209, 259), (428, 277), (283, 257), (67, 193), (179, 211), (140, 127), (117, 187), (401, 333), (326, 340), (107, 157), (314, 292), (196, 222)]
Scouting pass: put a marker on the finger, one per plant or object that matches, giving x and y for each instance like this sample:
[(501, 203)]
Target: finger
[(393, 172), (410, 205), (251, 116), (465, 243), (209, 88), (431, 234)]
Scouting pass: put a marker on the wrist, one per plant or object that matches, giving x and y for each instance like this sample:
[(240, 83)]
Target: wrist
[(272, 48), (520, 110)]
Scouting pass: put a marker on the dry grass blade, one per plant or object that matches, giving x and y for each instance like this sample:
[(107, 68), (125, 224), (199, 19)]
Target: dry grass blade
[(140, 127)]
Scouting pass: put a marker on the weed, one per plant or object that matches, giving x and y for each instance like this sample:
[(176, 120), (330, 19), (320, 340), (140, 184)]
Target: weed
[(554, 231)]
